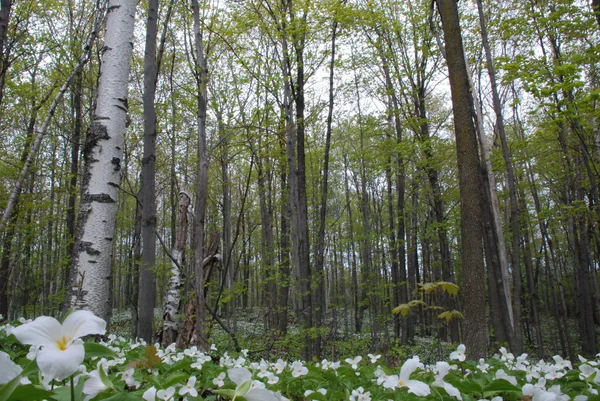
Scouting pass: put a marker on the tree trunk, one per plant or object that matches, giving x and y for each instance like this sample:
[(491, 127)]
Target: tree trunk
[(77, 89), (172, 302), (284, 249), (319, 300), (469, 170), (295, 129), (92, 258), (517, 342), (5, 7), (147, 295), (531, 293), (201, 183), (356, 290)]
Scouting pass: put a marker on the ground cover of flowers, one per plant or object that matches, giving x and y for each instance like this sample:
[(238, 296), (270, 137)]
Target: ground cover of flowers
[(46, 359)]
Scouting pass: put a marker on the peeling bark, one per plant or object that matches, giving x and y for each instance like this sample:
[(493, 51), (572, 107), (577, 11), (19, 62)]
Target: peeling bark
[(92, 256)]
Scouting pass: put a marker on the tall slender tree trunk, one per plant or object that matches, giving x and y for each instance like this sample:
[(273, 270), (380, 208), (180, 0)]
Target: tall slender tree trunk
[(469, 171), (356, 290), (92, 258), (201, 183), (517, 342), (5, 8), (284, 249), (531, 293), (147, 295), (172, 302), (77, 105), (319, 299)]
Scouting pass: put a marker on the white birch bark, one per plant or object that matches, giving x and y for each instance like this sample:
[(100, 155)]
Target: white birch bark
[(92, 255), (172, 299)]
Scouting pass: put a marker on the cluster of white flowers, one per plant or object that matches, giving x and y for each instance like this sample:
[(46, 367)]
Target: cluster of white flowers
[(59, 352)]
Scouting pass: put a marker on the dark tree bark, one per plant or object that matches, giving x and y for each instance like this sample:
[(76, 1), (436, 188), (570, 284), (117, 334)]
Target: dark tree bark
[(5, 8), (284, 248), (201, 183), (294, 107), (356, 290), (319, 300), (77, 105), (517, 337), (147, 294), (469, 170)]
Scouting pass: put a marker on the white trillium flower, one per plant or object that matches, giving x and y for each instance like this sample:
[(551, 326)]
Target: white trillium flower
[(166, 394), (482, 365), (189, 388), (94, 384), (360, 395), (459, 354), (442, 370), (247, 388), (403, 380), (271, 378), (279, 366), (501, 374), (354, 362), (219, 381), (298, 369), (62, 349)]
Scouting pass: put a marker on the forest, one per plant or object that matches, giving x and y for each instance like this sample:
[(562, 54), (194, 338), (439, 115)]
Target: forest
[(305, 178)]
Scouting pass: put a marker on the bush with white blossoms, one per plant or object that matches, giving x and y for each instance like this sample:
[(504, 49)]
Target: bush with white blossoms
[(46, 359)]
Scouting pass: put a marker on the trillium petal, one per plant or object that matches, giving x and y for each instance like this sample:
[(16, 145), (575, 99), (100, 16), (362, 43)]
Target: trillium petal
[(44, 330), (94, 385), (239, 375), (442, 368), (82, 323), (453, 391), (260, 394), (8, 369), (408, 367), (150, 394), (418, 388), (59, 364)]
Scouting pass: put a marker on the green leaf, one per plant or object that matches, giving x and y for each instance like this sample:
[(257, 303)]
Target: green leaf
[(450, 315), (98, 350), (7, 389), (404, 309), (467, 386), (104, 378), (498, 386), (31, 367), (450, 288), (30, 392), (175, 378), (226, 392), (243, 388), (123, 397)]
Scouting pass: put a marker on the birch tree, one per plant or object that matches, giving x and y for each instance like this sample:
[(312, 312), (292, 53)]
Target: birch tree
[(92, 257)]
